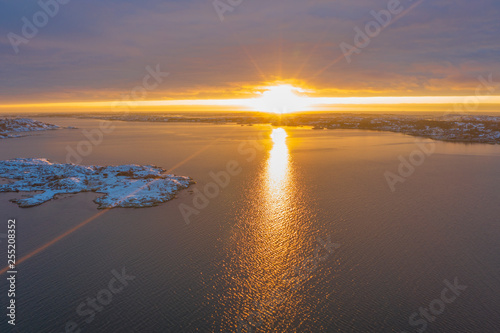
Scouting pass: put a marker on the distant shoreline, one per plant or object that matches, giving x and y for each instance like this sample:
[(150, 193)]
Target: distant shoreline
[(464, 128)]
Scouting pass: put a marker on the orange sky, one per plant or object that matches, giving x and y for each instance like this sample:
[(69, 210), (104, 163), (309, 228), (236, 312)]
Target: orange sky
[(183, 55), (279, 99)]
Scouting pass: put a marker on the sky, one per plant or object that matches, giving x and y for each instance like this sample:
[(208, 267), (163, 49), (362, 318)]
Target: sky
[(94, 51)]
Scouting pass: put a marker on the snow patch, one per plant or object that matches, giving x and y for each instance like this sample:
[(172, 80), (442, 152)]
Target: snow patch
[(10, 126), (122, 186)]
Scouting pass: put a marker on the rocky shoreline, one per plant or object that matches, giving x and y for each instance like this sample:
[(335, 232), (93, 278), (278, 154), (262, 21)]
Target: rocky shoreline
[(18, 127), (452, 128), (122, 186)]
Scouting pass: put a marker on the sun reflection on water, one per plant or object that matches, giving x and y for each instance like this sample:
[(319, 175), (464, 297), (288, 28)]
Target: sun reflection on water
[(278, 163), (268, 243)]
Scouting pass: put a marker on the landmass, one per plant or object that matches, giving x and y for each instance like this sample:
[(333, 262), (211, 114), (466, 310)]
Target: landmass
[(467, 129), (122, 185), (18, 127), (452, 127)]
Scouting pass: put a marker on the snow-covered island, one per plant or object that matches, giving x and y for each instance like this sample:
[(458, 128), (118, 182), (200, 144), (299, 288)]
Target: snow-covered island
[(122, 186), (14, 127)]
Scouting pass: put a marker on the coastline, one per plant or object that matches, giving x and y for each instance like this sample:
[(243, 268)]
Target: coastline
[(449, 128)]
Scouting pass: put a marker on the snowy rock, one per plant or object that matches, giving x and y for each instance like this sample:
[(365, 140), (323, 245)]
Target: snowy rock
[(10, 126), (122, 186)]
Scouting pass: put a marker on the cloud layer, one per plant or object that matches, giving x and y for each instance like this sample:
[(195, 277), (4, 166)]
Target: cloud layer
[(97, 50)]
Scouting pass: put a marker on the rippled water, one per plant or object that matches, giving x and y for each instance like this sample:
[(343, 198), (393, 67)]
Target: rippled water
[(305, 237)]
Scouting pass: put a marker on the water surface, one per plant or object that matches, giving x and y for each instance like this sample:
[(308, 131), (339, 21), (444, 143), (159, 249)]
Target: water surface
[(240, 264)]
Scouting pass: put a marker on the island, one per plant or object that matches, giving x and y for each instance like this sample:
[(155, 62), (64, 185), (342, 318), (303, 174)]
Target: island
[(18, 127), (123, 185), (452, 126)]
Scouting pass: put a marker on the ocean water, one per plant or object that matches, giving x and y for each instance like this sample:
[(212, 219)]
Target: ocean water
[(299, 233)]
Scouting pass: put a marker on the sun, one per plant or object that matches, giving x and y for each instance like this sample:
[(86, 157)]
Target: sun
[(280, 99)]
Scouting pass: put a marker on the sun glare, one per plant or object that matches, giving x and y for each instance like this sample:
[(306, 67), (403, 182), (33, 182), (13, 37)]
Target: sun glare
[(278, 159), (281, 99)]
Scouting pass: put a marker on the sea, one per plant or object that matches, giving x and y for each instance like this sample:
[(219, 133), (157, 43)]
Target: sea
[(287, 229)]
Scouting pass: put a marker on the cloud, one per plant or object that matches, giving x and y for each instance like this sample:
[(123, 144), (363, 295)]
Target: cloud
[(95, 50)]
